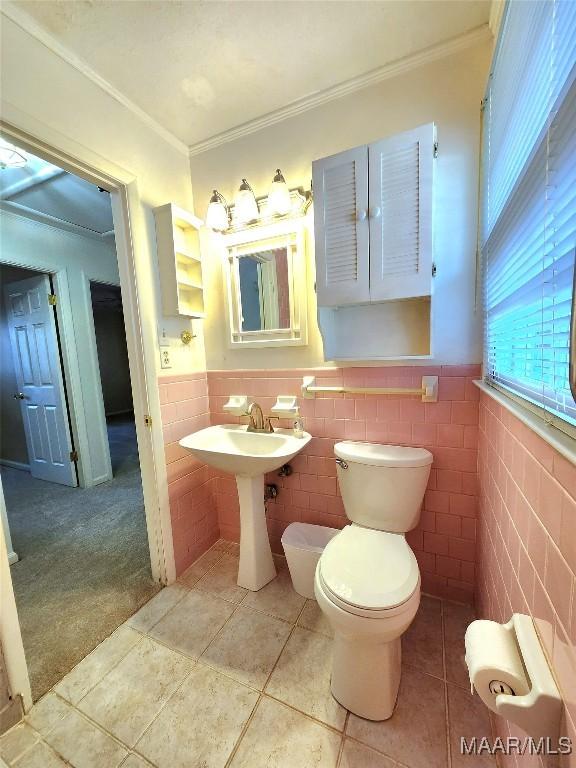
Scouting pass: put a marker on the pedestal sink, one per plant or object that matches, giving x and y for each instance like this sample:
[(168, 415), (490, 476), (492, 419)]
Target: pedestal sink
[(248, 455)]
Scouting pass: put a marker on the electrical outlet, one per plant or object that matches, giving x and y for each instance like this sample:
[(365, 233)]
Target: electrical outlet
[(165, 358)]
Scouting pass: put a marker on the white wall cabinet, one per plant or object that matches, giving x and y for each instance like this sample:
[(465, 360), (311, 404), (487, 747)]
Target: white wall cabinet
[(178, 242), (373, 220)]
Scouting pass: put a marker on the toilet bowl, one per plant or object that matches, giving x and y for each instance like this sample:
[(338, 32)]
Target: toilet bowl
[(367, 581)]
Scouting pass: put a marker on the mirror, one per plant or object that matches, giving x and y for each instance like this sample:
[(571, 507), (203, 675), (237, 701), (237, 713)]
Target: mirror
[(265, 274), (264, 290)]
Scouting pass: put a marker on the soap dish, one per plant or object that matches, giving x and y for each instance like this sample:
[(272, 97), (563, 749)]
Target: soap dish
[(285, 406), (236, 405)]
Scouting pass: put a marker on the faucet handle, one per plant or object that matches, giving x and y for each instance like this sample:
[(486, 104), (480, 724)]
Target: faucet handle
[(268, 423)]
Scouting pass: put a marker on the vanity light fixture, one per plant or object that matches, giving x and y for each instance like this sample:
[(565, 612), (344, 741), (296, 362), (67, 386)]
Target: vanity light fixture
[(217, 215), (279, 202), (10, 157), (245, 205)]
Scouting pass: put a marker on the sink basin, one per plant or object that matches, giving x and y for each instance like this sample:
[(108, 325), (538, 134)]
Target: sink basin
[(248, 455), (233, 449)]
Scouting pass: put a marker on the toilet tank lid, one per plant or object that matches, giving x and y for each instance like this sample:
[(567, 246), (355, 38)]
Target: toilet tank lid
[(378, 455)]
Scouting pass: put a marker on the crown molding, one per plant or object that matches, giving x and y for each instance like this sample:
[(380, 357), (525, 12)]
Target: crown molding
[(393, 69), (26, 23), (17, 209)]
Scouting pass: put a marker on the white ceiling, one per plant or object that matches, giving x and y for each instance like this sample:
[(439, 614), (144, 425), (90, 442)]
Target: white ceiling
[(200, 68), (45, 189)]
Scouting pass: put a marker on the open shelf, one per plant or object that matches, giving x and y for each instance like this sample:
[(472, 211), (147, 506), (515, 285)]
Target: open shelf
[(180, 261)]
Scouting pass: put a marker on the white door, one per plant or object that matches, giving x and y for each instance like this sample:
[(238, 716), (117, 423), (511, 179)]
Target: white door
[(340, 185), (400, 213), (36, 357)]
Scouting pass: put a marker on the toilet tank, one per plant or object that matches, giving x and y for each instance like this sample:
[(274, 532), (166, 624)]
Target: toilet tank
[(382, 486)]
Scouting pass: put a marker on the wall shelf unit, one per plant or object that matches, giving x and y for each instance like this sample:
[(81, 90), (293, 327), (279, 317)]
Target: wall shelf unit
[(177, 235)]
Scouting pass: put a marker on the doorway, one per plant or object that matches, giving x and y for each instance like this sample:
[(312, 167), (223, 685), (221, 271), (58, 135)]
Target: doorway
[(81, 537), (108, 317)]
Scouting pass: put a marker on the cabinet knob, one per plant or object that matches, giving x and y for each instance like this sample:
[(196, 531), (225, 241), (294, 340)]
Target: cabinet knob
[(360, 214), (19, 396), (375, 212)]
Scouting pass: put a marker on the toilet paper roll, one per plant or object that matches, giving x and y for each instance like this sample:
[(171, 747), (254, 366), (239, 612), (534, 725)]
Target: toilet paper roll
[(492, 654)]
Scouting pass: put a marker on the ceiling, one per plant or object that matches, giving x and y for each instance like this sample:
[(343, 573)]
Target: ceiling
[(48, 190), (200, 68)]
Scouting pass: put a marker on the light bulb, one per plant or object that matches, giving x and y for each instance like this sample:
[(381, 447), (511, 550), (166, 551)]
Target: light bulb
[(245, 205), (217, 213), (279, 196)]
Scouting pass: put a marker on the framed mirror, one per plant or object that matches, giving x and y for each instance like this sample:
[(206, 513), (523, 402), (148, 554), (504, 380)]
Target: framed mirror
[(265, 274)]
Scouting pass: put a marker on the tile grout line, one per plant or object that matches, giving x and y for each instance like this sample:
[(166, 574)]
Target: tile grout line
[(157, 715), (261, 695), (92, 722), (315, 720), (378, 751), (343, 739), (243, 732), (291, 706), (446, 705), (59, 695)]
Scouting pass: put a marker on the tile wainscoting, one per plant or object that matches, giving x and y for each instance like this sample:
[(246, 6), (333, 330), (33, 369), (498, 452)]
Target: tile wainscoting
[(527, 544), (444, 542), (184, 405)]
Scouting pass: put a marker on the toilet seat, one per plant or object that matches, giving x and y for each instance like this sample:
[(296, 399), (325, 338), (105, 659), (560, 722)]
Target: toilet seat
[(368, 573)]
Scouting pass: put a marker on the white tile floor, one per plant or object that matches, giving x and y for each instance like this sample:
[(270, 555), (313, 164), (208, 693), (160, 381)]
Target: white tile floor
[(208, 675)]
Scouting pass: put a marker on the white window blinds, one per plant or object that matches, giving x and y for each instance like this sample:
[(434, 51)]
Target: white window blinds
[(529, 204)]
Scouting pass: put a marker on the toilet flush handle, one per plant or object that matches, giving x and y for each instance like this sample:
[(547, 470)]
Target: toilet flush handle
[(341, 463)]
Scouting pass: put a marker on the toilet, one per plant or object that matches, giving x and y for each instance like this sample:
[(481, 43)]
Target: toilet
[(367, 581)]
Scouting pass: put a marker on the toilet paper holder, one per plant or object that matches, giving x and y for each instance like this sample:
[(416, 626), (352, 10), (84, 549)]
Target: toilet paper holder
[(510, 673)]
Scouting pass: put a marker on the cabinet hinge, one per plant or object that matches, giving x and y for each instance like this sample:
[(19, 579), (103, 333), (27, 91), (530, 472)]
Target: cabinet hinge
[(73, 455), (435, 153), (148, 420), (433, 269), (52, 299)]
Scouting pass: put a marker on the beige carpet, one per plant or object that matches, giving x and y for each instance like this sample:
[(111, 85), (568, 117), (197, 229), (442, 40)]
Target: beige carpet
[(85, 565)]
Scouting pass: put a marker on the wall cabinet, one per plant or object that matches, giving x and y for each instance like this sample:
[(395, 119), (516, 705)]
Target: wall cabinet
[(373, 220), (180, 263)]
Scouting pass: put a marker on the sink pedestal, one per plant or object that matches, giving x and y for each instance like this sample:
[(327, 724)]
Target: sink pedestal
[(256, 563)]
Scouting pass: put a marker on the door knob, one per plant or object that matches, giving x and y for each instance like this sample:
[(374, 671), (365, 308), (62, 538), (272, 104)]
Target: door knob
[(19, 396)]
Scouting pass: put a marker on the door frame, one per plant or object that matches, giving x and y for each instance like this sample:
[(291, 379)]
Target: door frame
[(140, 337), (70, 366)]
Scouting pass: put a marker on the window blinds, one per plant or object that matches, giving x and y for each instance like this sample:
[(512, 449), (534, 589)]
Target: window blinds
[(528, 235)]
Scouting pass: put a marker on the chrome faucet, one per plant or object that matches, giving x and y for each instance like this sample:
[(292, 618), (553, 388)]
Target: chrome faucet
[(257, 421)]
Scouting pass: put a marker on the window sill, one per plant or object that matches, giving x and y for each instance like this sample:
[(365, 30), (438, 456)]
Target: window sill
[(561, 442)]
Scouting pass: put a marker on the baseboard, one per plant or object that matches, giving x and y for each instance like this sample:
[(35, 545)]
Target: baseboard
[(12, 558), (15, 464)]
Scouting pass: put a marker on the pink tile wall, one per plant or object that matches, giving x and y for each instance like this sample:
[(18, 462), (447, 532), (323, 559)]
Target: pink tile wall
[(444, 542), (527, 543), (184, 405)]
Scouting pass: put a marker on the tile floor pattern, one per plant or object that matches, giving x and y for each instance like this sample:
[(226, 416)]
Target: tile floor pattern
[(208, 675)]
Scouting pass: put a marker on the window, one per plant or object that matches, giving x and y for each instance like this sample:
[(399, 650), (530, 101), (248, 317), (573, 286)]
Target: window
[(528, 235)]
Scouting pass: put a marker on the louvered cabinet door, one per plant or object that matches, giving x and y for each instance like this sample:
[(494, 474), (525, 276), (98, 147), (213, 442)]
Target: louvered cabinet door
[(400, 214), (341, 228)]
